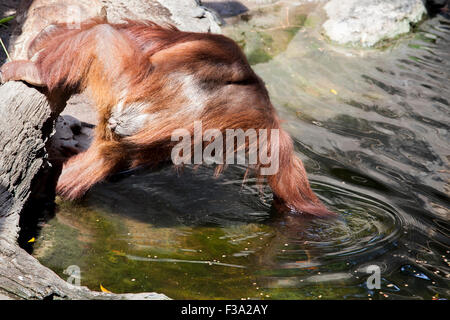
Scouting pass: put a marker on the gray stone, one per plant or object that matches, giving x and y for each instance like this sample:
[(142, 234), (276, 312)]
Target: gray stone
[(188, 15), (71, 137), (367, 22), (42, 13)]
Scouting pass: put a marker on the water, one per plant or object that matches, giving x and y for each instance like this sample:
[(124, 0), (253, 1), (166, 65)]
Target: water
[(372, 129)]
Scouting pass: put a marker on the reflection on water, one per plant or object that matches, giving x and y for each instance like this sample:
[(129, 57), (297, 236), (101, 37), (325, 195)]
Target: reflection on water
[(372, 128)]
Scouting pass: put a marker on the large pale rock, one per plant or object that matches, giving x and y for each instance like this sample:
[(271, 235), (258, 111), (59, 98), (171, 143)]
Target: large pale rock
[(188, 15), (71, 137), (367, 22), (42, 13)]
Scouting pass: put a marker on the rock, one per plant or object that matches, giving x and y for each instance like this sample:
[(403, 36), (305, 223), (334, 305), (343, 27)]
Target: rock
[(42, 13), (71, 137), (367, 22), (81, 107), (188, 15)]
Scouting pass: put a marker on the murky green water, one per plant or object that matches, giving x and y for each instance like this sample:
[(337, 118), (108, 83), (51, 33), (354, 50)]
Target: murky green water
[(372, 128)]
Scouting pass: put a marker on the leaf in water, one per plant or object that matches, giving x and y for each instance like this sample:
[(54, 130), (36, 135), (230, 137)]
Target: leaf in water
[(118, 253), (104, 290), (6, 20)]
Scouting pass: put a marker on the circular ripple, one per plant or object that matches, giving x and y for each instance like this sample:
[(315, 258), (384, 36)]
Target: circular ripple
[(365, 224)]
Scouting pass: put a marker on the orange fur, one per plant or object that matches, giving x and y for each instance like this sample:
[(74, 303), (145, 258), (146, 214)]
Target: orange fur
[(147, 81)]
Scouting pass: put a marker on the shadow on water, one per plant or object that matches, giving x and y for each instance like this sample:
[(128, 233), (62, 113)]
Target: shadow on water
[(226, 9), (372, 129)]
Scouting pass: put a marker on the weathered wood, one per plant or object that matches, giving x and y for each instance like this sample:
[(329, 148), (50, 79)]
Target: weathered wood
[(24, 113)]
